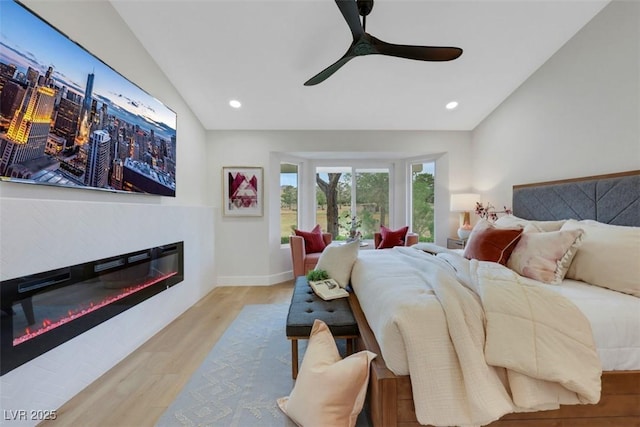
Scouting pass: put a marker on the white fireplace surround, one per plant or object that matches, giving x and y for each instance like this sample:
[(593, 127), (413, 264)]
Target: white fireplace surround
[(48, 234)]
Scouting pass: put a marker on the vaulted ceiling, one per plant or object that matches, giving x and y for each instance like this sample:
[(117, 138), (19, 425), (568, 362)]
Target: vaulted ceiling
[(261, 52)]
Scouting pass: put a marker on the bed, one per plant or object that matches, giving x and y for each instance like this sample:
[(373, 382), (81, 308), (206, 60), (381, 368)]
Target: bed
[(610, 199)]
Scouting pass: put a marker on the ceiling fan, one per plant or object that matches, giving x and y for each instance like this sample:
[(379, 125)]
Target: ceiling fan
[(365, 44)]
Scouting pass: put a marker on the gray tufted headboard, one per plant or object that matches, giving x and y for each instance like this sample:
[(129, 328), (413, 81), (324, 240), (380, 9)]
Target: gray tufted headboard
[(612, 199)]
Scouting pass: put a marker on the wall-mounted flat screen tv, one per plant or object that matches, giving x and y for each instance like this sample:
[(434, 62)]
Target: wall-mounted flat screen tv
[(68, 119)]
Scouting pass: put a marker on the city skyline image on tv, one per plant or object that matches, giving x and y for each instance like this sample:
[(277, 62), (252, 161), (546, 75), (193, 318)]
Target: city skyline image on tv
[(68, 119)]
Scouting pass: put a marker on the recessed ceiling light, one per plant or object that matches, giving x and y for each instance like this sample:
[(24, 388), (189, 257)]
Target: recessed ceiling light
[(452, 105), (235, 103)]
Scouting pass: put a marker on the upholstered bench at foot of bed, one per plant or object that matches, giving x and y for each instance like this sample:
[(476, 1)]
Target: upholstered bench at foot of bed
[(306, 307)]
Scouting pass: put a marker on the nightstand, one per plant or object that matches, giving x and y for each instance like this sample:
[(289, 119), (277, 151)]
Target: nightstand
[(453, 243)]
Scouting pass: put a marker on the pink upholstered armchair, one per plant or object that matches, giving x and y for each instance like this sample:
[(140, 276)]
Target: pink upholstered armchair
[(302, 261)]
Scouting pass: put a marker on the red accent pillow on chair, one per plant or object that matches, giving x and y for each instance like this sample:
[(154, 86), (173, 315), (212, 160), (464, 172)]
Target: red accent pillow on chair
[(313, 241), (391, 238)]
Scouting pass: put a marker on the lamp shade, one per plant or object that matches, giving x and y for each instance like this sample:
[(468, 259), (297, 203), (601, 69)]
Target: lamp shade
[(464, 202)]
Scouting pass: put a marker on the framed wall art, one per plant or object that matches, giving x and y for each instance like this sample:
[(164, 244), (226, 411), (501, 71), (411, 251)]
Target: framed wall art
[(242, 193)]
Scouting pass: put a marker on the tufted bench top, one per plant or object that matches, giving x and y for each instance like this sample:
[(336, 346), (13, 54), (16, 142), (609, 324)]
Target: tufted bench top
[(306, 306)]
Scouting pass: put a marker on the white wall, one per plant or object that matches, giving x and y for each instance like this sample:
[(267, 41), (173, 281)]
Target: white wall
[(47, 227), (248, 248), (578, 115)]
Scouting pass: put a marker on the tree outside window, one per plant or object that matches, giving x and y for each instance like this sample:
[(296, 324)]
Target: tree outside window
[(288, 200), (422, 200), (327, 213), (351, 199)]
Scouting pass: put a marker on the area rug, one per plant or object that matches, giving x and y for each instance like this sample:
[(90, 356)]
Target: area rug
[(239, 381)]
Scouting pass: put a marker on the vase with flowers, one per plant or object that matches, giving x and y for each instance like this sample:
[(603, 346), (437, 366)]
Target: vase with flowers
[(351, 225), (489, 212)]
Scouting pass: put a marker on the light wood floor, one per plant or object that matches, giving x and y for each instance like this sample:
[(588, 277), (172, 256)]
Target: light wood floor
[(138, 390)]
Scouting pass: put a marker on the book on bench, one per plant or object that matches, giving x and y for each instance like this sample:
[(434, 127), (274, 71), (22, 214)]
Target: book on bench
[(328, 289)]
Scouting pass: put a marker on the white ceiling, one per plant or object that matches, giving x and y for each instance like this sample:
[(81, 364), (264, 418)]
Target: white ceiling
[(261, 52)]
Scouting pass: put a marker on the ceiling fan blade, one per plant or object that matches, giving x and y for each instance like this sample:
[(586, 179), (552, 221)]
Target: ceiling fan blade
[(349, 9), (365, 44), (421, 53), (327, 72)]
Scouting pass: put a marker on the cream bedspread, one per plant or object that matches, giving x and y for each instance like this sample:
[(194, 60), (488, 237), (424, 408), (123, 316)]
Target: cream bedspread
[(477, 339)]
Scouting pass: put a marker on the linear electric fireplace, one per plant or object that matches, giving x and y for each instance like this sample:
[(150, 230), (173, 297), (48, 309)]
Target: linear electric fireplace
[(43, 310)]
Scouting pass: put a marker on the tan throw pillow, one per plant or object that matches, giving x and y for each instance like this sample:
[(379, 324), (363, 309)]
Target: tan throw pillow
[(490, 243), (609, 256), (544, 256), (337, 260), (329, 390)]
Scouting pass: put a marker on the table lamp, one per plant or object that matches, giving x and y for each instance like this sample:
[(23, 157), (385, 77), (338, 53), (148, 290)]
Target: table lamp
[(464, 203)]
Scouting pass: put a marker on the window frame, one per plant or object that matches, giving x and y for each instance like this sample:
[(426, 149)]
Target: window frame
[(297, 189), (355, 165), (400, 192), (409, 187)]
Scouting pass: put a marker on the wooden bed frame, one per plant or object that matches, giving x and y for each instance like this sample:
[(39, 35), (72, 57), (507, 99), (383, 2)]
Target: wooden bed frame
[(390, 398)]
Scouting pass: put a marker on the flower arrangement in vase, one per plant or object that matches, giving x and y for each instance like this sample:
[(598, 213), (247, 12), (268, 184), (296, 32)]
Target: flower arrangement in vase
[(489, 212), (351, 224)]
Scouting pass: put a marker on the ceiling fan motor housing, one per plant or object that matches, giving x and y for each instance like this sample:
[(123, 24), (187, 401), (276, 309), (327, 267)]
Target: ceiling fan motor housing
[(364, 7)]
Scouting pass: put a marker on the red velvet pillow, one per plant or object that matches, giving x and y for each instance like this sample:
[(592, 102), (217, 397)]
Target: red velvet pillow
[(490, 243), (391, 238), (313, 241)]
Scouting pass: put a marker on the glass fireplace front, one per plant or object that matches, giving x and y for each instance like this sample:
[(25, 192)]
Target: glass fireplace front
[(41, 311)]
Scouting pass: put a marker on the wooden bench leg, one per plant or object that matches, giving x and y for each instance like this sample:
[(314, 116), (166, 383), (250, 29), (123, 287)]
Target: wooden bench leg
[(349, 346), (294, 358)]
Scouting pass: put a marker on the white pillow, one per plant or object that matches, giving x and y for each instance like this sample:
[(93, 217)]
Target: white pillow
[(337, 260), (514, 221), (329, 390), (609, 256), (544, 256)]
